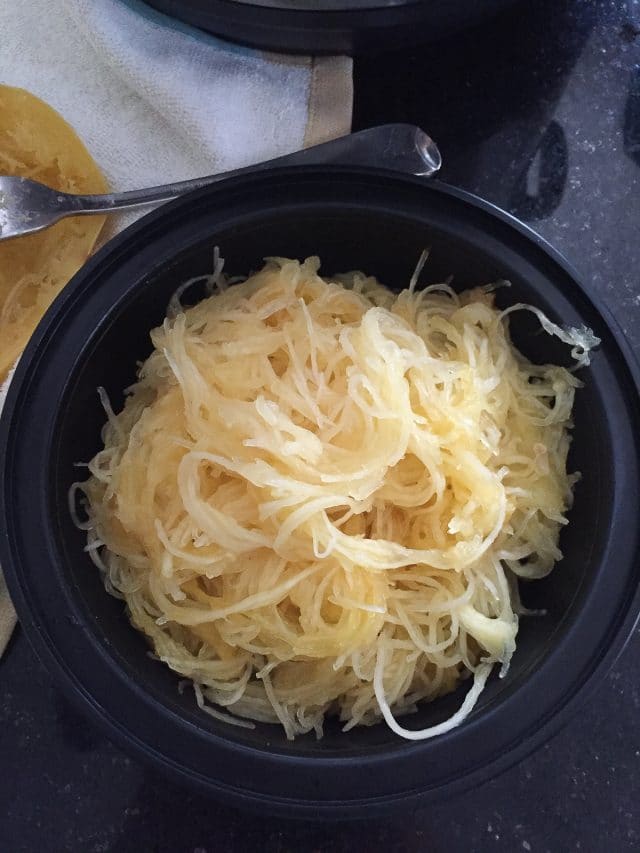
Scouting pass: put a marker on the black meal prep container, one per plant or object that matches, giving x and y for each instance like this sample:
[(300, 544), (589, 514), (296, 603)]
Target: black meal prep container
[(99, 327), (331, 26)]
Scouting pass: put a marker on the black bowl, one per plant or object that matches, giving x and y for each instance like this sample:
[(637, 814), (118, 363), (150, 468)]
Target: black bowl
[(332, 26), (98, 329)]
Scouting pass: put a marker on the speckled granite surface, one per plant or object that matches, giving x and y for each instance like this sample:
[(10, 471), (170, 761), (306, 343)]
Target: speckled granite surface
[(539, 112)]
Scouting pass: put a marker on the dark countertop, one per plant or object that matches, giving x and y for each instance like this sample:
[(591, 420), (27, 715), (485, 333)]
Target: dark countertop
[(540, 113)]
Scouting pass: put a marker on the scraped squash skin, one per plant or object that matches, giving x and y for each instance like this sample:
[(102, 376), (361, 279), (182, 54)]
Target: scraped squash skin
[(36, 142)]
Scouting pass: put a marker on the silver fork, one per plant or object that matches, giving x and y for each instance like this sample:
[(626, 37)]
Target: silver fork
[(27, 206)]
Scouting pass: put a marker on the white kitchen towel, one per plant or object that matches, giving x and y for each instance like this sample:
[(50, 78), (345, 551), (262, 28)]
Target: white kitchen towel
[(156, 101)]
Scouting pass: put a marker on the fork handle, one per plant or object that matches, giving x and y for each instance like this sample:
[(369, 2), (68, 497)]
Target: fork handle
[(402, 147)]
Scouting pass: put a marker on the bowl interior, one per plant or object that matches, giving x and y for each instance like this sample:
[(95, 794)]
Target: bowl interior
[(386, 244)]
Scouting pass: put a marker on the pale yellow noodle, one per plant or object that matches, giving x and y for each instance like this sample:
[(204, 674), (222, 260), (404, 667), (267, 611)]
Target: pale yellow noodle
[(315, 496)]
